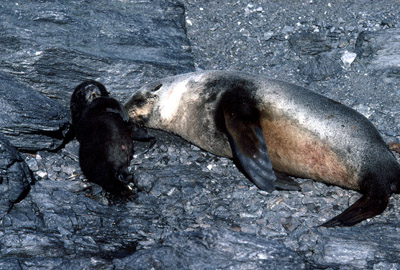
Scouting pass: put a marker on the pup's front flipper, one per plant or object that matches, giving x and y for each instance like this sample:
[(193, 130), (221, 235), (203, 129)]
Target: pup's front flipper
[(365, 207), (120, 110), (250, 152)]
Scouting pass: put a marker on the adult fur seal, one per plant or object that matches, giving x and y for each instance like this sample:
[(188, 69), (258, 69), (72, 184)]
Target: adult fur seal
[(105, 135), (268, 125)]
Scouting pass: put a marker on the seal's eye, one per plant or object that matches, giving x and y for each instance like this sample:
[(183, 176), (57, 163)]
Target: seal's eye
[(156, 88), (140, 102)]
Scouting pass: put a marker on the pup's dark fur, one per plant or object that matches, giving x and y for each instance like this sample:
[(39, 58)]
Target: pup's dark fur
[(105, 135)]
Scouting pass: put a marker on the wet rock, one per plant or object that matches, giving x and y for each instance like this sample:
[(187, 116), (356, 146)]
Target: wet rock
[(145, 181), (193, 206), (365, 46), (58, 219), (306, 43), (379, 51), (15, 177), (207, 249), (30, 120), (357, 249), (62, 263), (320, 68), (383, 47), (53, 46)]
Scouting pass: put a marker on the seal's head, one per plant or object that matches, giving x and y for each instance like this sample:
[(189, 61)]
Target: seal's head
[(140, 106)]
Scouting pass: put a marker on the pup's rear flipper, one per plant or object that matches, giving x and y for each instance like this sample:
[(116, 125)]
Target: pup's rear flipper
[(365, 207)]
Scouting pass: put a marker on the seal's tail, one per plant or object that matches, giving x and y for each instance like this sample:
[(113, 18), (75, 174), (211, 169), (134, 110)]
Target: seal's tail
[(365, 207)]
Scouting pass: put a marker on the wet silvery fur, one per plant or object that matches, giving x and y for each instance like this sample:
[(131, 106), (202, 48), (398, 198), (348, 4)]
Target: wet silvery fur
[(270, 127)]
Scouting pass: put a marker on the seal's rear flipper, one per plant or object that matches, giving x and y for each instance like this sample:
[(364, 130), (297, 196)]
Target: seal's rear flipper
[(365, 207)]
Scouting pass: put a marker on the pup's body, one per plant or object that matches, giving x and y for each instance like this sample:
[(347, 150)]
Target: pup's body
[(105, 136)]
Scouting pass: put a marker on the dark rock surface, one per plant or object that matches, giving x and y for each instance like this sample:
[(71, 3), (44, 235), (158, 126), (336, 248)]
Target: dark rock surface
[(196, 210), (338, 246), (381, 50), (54, 45), (15, 176), (228, 250), (31, 121)]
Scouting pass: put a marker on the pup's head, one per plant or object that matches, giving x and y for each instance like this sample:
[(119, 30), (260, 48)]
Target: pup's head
[(83, 95)]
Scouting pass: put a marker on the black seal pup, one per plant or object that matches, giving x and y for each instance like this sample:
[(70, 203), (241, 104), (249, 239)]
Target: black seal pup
[(105, 137), (270, 126)]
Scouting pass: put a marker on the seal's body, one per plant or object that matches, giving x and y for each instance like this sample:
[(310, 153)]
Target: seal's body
[(105, 137), (268, 125)]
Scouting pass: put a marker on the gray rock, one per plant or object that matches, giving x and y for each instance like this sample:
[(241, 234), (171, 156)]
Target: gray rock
[(30, 120), (382, 50), (365, 46), (357, 249), (56, 264), (306, 43), (145, 182), (53, 46), (320, 68), (213, 249), (15, 177), (10, 264), (195, 209)]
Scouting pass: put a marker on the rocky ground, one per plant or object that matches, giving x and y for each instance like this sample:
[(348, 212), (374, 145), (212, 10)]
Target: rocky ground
[(195, 210)]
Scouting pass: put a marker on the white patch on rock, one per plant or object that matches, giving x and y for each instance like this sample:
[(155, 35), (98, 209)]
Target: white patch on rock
[(348, 58)]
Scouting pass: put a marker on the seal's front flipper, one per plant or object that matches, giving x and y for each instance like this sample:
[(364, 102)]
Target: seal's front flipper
[(365, 207), (250, 152)]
